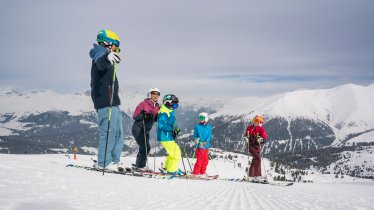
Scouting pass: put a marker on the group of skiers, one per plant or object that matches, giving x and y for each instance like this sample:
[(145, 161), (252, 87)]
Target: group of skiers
[(104, 93)]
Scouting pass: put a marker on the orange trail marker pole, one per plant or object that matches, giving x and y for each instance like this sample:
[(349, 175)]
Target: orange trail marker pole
[(75, 152)]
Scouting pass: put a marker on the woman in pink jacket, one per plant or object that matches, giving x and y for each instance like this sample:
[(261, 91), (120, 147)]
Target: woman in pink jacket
[(144, 116)]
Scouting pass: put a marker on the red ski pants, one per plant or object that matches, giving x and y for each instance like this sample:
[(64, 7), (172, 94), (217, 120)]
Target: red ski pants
[(202, 159), (255, 168)]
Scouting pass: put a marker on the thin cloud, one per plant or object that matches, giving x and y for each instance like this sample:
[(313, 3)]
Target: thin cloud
[(193, 47)]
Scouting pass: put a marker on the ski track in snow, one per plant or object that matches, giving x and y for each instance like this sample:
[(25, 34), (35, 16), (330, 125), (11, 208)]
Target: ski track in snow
[(43, 182)]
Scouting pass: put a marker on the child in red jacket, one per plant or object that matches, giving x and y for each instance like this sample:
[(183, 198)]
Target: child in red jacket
[(256, 136)]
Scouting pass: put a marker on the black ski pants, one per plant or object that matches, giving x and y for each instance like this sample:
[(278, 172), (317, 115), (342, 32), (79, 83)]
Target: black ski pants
[(141, 129)]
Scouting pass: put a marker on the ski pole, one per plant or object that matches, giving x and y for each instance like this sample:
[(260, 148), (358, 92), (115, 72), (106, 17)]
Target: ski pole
[(213, 163), (262, 161), (246, 139), (188, 160), (184, 167), (111, 93), (145, 142), (154, 154)]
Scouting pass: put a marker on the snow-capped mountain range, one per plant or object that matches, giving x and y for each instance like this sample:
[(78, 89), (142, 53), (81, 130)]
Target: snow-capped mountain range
[(346, 109), (341, 117)]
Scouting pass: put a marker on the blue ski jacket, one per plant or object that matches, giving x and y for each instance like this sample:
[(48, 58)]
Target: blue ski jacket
[(101, 78), (204, 133), (166, 124)]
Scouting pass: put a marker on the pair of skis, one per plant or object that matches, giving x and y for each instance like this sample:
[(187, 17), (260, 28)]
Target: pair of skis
[(197, 177), (148, 174), (126, 171), (159, 175), (275, 183)]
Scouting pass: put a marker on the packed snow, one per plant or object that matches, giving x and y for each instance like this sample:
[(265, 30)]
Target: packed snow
[(44, 182)]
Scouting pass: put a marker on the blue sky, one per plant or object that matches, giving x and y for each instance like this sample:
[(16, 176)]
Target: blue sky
[(190, 48)]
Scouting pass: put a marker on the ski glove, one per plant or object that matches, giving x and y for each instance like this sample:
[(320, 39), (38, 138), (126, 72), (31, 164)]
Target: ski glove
[(113, 58), (156, 117), (176, 132), (140, 116), (246, 138), (260, 140), (202, 145)]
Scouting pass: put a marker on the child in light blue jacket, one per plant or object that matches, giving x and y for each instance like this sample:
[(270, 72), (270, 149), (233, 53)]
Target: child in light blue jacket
[(202, 136)]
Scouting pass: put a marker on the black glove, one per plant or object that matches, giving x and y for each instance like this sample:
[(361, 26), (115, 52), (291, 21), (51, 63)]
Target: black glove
[(148, 116), (140, 116), (156, 118), (176, 132)]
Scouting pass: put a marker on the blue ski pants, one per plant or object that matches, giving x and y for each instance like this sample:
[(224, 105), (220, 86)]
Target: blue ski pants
[(116, 136)]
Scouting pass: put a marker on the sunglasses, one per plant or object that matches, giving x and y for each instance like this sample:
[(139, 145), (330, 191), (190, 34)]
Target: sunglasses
[(155, 93)]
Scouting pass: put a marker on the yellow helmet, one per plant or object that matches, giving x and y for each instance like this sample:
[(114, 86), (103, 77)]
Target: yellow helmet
[(258, 119), (108, 37)]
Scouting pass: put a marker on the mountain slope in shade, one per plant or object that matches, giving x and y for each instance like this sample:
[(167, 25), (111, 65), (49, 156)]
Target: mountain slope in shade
[(346, 109)]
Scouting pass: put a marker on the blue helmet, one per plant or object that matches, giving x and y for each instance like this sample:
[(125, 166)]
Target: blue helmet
[(108, 37), (170, 101)]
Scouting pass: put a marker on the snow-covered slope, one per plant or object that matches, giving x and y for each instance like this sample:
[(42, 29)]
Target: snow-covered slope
[(19, 104), (17, 101), (43, 182)]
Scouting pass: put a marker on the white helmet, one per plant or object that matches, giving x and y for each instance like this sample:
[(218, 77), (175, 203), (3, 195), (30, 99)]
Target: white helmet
[(154, 89), (203, 116)]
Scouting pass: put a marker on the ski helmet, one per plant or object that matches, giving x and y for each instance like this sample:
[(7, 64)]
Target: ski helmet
[(258, 119), (108, 38), (203, 116), (154, 89), (170, 101)]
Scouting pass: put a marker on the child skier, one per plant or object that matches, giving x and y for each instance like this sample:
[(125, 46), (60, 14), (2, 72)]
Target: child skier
[(167, 132), (256, 136), (202, 136)]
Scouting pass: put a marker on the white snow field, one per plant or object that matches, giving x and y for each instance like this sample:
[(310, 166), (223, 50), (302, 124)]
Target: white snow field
[(43, 182)]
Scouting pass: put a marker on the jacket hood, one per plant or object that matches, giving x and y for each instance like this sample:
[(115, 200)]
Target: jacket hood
[(97, 51)]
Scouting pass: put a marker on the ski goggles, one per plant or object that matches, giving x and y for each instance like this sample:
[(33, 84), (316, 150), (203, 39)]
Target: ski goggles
[(201, 118), (117, 50), (110, 42), (174, 106)]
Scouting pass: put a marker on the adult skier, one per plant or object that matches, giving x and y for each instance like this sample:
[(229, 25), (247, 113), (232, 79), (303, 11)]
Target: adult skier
[(202, 136), (167, 132), (144, 116), (256, 136), (105, 56)]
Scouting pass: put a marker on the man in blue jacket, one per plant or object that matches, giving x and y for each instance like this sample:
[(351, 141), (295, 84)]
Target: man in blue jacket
[(105, 55)]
